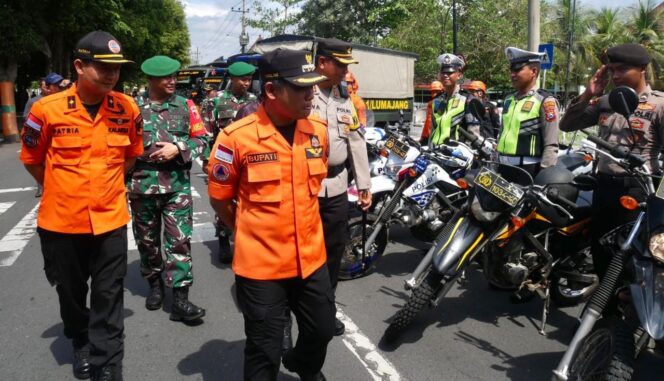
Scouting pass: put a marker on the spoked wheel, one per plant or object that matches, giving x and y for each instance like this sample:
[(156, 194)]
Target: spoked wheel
[(352, 265), (606, 354)]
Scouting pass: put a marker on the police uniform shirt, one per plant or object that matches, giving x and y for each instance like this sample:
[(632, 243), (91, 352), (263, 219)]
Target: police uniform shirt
[(646, 134), (548, 122), (346, 140), (440, 104)]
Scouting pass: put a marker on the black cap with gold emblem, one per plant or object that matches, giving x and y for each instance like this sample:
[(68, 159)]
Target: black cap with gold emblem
[(340, 50), (100, 46), (293, 66)]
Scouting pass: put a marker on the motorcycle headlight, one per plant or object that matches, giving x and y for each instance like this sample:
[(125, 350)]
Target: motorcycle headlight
[(481, 214), (657, 246)]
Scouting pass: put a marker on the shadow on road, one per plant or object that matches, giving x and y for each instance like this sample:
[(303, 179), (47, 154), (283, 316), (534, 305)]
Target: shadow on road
[(478, 302), (219, 360)]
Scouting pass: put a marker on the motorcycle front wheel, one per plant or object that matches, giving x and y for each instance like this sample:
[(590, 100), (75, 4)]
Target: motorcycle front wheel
[(420, 298), (352, 265), (606, 354)]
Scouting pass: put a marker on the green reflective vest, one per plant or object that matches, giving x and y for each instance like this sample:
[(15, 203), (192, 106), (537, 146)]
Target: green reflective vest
[(521, 134), (447, 122)]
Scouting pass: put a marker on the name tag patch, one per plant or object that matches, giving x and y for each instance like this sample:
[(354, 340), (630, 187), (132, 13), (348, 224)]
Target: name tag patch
[(265, 157)]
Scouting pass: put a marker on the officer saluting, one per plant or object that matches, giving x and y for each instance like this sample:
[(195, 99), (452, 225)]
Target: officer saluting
[(334, 106), (529, 134), (625, 65), (272, 163), (78, 144), (449, 109)]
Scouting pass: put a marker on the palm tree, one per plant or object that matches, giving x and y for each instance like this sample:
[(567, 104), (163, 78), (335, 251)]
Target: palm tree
[(645, 30)]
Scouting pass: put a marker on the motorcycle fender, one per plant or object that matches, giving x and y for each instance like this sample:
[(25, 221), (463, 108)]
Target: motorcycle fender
[(433, 174), (648, 295), (457, 247)]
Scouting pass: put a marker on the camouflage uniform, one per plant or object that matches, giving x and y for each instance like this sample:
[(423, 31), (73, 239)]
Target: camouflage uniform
[(161, 191)]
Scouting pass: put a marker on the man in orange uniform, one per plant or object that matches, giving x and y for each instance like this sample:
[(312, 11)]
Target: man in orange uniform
[(79, 144), (358, 102), (272, 164), (436, 89)]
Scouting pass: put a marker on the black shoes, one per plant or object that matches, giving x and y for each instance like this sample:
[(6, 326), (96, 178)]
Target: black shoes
[(107, 373), (225, 252), (156, 296), (81, 362), (290, 363), (183, 309), (339, 327)]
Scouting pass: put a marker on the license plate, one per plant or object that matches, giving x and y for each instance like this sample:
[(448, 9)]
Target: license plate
[(499, 187), (397, 147)]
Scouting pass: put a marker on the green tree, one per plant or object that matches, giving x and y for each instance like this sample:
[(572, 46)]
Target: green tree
[(276, 16), (646, 29)]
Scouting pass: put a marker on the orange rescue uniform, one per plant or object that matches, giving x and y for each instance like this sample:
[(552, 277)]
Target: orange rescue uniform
[(278, 229), (426, 130), (84, 188)]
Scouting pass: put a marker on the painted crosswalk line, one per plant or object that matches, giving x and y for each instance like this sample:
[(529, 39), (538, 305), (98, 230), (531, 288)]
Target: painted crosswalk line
[(12, 190), (13, 243), (4, 206)]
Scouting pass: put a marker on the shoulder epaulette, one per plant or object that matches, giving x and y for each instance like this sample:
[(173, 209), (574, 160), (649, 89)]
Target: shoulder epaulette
[(53, 98), (239, 124), (658, 93)]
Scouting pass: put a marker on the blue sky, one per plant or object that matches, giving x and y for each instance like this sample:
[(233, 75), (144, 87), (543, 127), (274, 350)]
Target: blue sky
[(215, 30)]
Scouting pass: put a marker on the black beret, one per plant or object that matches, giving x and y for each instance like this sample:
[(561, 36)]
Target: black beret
[(630, 54)]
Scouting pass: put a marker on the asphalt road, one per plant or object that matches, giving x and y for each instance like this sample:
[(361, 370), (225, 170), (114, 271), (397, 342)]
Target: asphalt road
[(475, 333)]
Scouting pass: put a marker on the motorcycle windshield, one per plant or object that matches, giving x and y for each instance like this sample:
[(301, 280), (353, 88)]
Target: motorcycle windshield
[(648, 295)]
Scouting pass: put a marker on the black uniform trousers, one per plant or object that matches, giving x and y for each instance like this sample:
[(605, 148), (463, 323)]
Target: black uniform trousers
[(265, 303), (69, 261), (607, 213), (334, 214)]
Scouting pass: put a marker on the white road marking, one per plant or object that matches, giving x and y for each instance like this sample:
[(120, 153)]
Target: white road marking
[(4, 206), (380, 368), (12, 244), (12, 190), (194, 192)]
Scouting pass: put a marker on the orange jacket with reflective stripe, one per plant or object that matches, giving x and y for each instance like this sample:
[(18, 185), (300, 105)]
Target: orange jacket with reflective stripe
[(84, 188), (278, 229)]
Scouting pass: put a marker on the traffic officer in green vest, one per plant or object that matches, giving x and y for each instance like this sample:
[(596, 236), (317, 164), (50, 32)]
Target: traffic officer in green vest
[(450, 109), (529, 135)]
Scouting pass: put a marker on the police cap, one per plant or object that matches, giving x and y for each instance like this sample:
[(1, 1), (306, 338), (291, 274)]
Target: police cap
[(241, 69), (160, 66), (294, 66), (100, 46), (53, 79), (340, 50), (630, 54), (449, 63), (519, 57)]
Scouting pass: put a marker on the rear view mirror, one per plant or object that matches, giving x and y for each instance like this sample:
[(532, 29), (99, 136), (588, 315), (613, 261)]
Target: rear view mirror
[(623, 100), (477, 108)]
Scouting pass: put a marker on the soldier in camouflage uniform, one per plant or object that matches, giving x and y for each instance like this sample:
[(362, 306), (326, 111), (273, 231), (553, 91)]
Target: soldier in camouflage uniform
[(226, 105), (159, 188)]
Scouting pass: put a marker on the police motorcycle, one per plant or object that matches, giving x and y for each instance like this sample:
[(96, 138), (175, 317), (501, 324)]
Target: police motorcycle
[(532, 232), (422, 186), (609, 339)]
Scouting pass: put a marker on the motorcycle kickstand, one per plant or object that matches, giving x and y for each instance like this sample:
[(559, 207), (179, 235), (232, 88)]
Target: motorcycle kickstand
[(545, 311)]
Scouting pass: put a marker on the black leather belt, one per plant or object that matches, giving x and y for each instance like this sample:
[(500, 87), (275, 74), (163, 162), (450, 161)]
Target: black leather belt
[(335, 170), (172, 165)]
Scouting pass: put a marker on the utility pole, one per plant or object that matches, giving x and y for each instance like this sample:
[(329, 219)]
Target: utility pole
[(533, 25), (455, 29), (195, 55), (570, 43), (244, 36)]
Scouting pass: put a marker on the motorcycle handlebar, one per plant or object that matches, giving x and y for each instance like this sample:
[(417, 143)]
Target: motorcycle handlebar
[(553, 195), (621, 152)]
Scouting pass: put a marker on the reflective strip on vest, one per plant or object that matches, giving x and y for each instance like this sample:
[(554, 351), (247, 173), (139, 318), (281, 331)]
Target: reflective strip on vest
[(452, 117), (521, 134)]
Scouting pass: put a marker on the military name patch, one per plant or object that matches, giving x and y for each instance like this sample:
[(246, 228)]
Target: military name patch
[(313, 153), (527, 106), (221, 172), (66, 131), (266, 157), (224, 154)]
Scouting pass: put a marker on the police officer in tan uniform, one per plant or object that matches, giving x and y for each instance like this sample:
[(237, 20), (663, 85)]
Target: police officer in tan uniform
[(333, 105), (625, 65)]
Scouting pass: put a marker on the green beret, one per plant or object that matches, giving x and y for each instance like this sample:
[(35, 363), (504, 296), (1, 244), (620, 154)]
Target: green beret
[(160, 66), (241, 69)]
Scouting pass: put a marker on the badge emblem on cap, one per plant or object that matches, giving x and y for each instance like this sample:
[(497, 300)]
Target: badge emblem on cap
[(308, 58), (447, 60), (113, 46)]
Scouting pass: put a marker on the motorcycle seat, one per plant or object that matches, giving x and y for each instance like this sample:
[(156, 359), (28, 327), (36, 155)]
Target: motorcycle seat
[(581, 212)]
